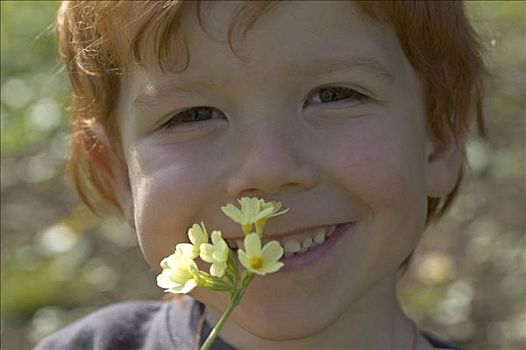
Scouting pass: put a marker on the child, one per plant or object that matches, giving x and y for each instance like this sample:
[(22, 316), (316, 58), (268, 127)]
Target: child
[(353, 115)]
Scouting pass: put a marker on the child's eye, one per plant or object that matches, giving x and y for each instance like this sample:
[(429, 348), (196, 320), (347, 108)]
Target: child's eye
[(192, 115), (335, 94)]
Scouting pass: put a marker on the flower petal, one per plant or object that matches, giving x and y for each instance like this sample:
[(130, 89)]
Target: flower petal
[(220, 254), (271, 252), (232, 212), (206, 252), (197, 234), (192, 268), (216, 237), (279, 213), (273, 267), (252, 244), (250, 208), (263, 214), (163, 279), (187, 250), (188, 286), (179, 276), (243, 258), (261, 271), (218, 269), (165, 263)]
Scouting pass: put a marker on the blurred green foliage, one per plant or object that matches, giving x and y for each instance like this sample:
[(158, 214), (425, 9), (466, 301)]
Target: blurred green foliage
[(33, 85), (33, 128), (59, 262)]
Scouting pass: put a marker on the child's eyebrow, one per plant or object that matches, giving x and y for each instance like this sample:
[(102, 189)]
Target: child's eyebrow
[(325, 66), (149, 94)]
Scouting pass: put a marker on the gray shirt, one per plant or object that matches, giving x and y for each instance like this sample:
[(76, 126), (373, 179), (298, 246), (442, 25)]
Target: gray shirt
[(148, 325)]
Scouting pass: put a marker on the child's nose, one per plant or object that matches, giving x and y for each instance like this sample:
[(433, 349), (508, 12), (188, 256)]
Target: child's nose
[(270, 159)]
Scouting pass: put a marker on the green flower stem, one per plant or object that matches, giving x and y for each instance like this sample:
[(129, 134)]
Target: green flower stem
[(234, 300)]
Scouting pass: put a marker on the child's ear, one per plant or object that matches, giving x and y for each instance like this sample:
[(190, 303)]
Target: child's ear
[(444, 160), (111, 166)]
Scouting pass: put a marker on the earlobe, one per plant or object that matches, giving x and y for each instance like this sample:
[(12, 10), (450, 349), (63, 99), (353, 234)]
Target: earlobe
[(444, 162), (110, 166)]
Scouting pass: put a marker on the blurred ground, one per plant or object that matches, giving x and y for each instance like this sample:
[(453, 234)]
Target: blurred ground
[(467, 280)]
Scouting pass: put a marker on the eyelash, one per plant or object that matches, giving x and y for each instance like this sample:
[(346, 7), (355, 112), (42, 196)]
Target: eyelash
[(340, 90), (361, 98), (177, 119)]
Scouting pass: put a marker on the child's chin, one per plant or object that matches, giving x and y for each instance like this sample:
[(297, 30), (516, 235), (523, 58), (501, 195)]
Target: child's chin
[(285, 324)]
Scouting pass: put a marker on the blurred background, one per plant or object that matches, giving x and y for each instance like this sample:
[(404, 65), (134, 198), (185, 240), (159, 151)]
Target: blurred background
[(467, 281)]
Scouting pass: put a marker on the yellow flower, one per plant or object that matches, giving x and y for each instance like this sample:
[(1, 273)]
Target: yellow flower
[(215, 254), (197, 235), (274, 207), (253, 211), (180, 274), (257, 260)]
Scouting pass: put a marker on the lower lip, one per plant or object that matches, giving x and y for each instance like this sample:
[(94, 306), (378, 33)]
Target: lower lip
[(303, 260)]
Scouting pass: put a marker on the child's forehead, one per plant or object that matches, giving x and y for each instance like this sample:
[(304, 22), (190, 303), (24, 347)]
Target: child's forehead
[(216, 16), (302, 38), (287, 28)]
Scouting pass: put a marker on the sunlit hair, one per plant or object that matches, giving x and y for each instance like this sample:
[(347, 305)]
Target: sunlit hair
[(436, 37)]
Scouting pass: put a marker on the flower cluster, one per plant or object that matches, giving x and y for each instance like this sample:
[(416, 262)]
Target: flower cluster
[(181, 274)]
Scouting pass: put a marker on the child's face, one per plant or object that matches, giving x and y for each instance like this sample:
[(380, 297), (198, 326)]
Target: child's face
[(272, 133)]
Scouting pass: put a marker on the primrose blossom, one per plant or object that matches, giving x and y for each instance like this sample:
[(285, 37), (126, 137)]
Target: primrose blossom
[(252, 211), (215, 254), (180, 274), (260, 260), (197, 235)]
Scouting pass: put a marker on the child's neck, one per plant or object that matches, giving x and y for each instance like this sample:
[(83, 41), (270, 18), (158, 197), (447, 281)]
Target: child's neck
[(374, 321)]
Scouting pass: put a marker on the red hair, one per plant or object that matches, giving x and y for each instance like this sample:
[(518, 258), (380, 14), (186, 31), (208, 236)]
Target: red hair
[(436, 37)]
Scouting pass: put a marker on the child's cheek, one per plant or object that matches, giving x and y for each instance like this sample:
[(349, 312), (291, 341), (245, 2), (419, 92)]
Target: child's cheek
[(170, 193), (381, 165)]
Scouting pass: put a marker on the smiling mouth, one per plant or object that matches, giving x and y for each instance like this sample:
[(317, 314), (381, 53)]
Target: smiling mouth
[(294, 244)]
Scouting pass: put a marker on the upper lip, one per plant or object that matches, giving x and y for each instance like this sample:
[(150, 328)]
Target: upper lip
[(280, 235)]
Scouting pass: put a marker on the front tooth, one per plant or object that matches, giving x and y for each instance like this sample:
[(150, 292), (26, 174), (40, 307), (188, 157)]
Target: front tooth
[(331, 231), (307, 243), (240, 244), (291, 246), (319, 237)]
